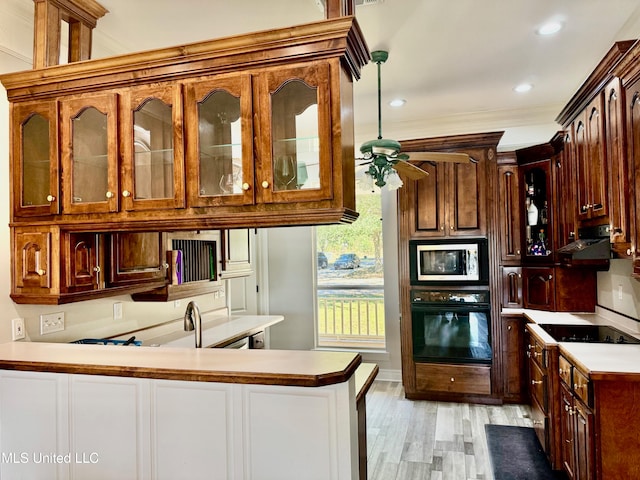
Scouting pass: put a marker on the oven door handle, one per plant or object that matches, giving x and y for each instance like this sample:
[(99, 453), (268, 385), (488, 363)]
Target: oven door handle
[(444, 307)]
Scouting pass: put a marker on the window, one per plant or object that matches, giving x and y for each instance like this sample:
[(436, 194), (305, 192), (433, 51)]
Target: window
[(350, 283)]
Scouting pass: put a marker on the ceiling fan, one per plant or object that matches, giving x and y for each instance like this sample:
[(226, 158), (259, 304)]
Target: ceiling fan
[(383, 155)]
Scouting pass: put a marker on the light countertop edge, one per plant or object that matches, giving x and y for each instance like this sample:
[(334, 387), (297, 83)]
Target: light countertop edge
[(263, 367)]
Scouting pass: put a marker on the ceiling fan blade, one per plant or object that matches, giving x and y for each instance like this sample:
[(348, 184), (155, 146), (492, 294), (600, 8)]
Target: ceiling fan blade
[(410, 171), (440, 157)]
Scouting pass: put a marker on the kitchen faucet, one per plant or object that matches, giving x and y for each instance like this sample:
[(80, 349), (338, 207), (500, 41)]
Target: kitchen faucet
[(192, 320)]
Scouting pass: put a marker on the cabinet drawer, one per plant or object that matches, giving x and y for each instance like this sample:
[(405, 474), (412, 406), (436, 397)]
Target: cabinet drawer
[(453, 378), (540, 425), (582, 387), (537, 353), (565, 370), (538, 386)]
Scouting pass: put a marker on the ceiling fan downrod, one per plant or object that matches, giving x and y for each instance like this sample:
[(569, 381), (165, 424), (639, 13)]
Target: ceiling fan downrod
[(379, 57)]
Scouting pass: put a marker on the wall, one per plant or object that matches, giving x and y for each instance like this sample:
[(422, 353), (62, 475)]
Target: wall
[(618, 291)]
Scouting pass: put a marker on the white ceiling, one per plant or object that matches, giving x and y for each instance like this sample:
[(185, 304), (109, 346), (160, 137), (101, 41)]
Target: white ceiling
[(454, 61)]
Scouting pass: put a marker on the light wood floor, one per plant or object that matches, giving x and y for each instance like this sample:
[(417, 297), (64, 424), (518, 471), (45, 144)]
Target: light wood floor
[(414, 439)]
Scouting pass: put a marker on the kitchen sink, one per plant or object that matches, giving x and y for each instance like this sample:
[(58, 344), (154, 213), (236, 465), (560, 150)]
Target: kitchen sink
[(588, 333)]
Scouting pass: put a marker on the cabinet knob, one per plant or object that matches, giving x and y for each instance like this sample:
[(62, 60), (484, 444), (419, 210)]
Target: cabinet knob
[(550, 277), (517, 252), (97, 269), (453, 379), (126, 193), (536, 382), (50, 198), (629, 251), (538, 422), (41, 272), (568, 409), (442, 227), (246, 186), (451, 228), (165, 266), (265, 184), (109, 194)]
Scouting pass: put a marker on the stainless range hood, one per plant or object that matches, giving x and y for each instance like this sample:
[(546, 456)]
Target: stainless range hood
[(593, 248)]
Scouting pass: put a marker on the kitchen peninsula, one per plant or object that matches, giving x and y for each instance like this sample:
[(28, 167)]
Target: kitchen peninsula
[(156, 412)]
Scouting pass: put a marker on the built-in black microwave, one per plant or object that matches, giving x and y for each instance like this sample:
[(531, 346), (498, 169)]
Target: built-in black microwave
[(452, 261)]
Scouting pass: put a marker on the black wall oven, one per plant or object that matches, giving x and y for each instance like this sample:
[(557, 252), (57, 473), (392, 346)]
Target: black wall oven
[(451, 326), (452, 262)]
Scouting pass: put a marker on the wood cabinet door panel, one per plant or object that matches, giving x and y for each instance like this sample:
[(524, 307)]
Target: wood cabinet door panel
[(428, 204), (136, 257), (617, 171), (466, 206), (509, 218), (90, 180), (216, 111), (632, 95), (34, 137), (512, 287), (80, 262), (584, 433), (32, 265), (597, 158), (538, 286), (453, 378), (152, 148), (282, 173), (567, 432), (514, 359)]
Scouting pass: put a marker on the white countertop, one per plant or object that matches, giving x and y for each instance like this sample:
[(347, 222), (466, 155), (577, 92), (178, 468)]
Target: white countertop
[(601, 360), (216, 330)]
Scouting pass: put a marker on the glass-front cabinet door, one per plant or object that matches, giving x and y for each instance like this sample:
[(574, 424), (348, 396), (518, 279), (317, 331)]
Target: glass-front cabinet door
[(152, 164), (35, 143), (219, 147), (537, 212), (89, 154), (295, 128)]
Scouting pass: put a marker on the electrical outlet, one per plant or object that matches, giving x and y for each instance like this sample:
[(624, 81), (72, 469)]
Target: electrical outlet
[(17, 329), (117, 311), (51, 322), (620, 292)]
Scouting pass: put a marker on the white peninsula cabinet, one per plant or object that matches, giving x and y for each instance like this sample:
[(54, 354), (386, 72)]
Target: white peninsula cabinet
[(108, 412)]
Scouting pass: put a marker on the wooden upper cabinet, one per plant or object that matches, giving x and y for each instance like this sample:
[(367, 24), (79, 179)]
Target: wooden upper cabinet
[(510, 215), (81, 269), (152, 148), (89, 132), (633, 136), (136, 258), (618, 169), (294, 134), (34, 137), (450, 201), (219, 126), (591, 165)]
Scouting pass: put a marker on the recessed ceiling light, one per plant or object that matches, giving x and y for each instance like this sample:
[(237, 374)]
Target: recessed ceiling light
[(398, 102), (523, 87), (549, 28)]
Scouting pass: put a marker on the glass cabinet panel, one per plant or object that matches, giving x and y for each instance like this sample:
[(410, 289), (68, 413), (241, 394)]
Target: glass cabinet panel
[(90, 160), (36, 164), (220, 139), (295, 137), (153, 150), (537, 214)]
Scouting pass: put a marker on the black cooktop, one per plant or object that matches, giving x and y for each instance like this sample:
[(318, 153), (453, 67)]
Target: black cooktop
[(588, 333)]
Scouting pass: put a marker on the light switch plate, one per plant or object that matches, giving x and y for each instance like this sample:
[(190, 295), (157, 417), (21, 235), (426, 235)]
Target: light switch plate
[(51, 322)]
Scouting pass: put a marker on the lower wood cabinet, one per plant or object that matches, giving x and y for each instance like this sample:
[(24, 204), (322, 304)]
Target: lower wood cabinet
[(514, 366), (576, 423), (461, 379)]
